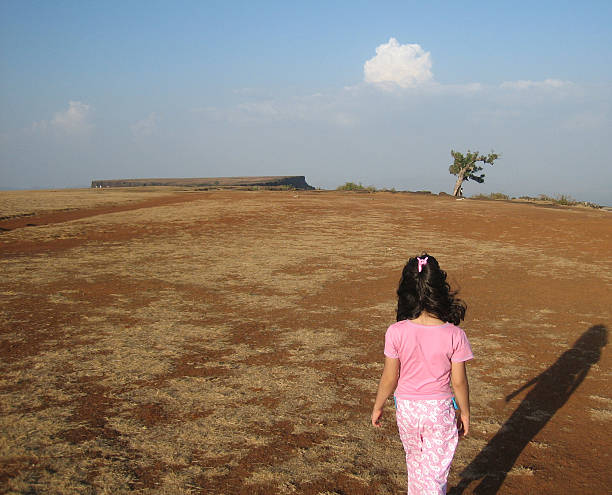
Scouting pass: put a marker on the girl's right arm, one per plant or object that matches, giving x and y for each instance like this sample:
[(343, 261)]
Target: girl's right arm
[(388, 382), (461, 388)]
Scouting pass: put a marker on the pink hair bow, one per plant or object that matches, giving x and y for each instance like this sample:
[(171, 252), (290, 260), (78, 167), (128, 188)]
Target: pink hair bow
[(422, 262)]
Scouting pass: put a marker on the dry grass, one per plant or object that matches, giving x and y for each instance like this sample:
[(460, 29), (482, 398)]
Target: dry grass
[(232, 344), (19, 203)]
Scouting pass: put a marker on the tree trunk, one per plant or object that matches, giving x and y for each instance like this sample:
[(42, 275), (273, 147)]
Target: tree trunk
[(457, 189)]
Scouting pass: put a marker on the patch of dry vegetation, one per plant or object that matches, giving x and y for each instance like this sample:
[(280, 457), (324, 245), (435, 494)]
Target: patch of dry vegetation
[(232, 344), (27, 203)]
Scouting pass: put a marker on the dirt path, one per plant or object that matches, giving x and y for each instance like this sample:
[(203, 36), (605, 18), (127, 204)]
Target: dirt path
[(33, 220)]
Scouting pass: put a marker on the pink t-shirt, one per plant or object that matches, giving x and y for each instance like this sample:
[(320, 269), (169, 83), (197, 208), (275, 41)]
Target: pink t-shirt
[(425, 353)]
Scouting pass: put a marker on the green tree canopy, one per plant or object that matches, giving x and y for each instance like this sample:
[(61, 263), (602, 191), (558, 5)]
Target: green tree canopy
[(466, 167)]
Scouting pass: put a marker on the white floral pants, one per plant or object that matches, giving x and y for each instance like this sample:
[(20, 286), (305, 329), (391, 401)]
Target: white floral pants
[(428, 430)]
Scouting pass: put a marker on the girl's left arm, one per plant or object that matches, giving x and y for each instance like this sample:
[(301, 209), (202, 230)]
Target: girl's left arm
[(388, 382)]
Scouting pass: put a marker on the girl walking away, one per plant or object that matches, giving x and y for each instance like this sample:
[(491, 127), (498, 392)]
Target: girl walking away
[(425, 352)]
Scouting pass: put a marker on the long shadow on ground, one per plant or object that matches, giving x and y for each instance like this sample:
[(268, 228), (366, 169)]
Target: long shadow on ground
[(552, 389)]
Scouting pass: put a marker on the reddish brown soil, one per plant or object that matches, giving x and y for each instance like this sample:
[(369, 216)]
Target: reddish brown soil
[(537, 283)]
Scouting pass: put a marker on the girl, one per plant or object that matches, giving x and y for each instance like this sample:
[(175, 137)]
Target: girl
[(424, 353)]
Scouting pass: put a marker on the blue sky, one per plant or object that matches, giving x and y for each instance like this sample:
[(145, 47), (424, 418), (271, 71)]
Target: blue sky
[(377, 92)]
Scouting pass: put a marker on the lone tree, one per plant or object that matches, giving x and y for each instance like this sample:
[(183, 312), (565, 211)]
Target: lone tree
[(466, 167)]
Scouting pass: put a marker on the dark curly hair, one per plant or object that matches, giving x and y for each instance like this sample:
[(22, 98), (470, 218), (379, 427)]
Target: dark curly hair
[(429, 291)]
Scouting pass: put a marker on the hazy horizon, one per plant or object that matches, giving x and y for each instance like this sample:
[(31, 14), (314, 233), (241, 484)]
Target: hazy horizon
[(372, 93)]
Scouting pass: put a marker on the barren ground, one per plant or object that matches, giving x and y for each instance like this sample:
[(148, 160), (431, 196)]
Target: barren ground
[(230, 342)]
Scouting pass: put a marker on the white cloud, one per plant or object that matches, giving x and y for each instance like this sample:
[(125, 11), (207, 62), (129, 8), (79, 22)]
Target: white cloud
[(146, 126), (403, 65), (527, 84), (74, 120)]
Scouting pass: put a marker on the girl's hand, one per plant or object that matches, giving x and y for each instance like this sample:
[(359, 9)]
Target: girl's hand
[(463, 425), (376, 416)]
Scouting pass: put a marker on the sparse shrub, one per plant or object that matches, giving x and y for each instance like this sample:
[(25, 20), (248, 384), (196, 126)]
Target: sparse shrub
[(565, 200), (498, 195), (562, 199), (493, 195), (351, 186), (544, 197), (559, 199)]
